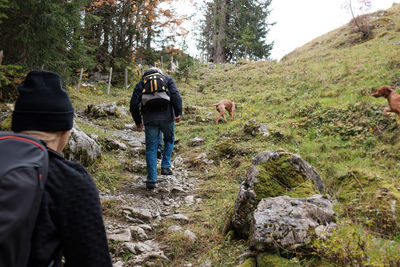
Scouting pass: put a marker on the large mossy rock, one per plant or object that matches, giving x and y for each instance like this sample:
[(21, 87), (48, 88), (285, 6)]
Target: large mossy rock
[(103, 110), (82, 148), (370, 200), (288, 224), (273, 174)]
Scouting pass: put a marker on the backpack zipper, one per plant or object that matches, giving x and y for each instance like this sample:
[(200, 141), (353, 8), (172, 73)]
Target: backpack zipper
[(40, 174)]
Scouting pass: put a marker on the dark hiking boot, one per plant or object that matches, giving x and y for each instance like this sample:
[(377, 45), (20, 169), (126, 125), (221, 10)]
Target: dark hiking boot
[(166, 171), (151, 185)]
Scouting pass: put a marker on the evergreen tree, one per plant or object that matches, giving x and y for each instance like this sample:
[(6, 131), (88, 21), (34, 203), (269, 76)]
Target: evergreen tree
[(235, 29), (44, 34), (3, 6)]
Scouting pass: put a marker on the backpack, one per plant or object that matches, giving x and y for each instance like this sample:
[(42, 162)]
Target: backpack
[(23, 174), (155, 95)]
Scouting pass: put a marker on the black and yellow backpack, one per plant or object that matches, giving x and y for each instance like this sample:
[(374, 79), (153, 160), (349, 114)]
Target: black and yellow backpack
[(155, 95)]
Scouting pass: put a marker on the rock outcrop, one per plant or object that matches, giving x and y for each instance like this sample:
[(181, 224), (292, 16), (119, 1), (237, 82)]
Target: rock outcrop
[(273, 174), (103, 110), (82, 148), (287, 223)]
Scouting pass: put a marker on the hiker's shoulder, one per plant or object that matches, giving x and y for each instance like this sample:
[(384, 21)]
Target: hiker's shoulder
[(58, 164)]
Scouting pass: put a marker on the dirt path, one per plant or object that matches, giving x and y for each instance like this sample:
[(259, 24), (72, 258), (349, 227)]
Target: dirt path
[(137, 213)]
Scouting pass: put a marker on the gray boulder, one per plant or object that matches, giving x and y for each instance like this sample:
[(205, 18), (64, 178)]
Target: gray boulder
[(272, 174), (82, 148), (288, 223), (103, 110)]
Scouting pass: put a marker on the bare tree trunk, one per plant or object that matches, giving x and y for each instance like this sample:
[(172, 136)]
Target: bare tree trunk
[(109, 82), (80, 79), (219, 38), (126, 79)]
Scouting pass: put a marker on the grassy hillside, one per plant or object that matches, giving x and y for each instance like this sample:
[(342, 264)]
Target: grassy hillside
[(318, 97), (317, 104)]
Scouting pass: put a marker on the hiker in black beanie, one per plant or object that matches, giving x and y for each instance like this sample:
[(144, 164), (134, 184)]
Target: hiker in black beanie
[(69, 223)]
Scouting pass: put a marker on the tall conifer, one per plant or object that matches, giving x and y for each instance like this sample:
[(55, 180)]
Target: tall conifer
[(43, 33), (235, 29)]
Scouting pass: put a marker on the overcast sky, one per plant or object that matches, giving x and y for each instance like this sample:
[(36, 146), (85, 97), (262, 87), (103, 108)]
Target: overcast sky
[(297, 21)]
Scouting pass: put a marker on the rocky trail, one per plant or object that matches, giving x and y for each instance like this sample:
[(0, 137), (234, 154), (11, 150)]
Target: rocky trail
[(140, 210)]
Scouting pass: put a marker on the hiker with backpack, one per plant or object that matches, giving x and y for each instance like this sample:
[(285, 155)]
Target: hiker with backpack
[(50, 212), (155, 106)]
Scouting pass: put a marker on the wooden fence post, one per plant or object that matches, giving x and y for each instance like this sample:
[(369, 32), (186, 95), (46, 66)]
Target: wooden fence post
[(109, 81), (80, 79), (126, 79)]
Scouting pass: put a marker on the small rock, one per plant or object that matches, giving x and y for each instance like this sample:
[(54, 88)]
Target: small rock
[(114, 144), (189, 234), (146, 227), (189, 200), (180, 217), (177, 189), (173, 228), (206, 263), (131, 247), (123, 236), (178, 161), (118, 264), (135, 143), (139, 213), (130, 126), (196, 141), (138, 233), (203, 157)]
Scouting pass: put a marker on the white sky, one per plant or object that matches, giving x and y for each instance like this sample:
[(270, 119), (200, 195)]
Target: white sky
[(297, 22)]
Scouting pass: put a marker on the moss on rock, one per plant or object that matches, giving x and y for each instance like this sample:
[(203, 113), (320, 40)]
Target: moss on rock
[(250, 262), (279, 177), (268, 260), (251, 127), (227, 148)]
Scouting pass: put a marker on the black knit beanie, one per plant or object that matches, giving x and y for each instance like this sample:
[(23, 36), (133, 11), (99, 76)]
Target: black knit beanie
[(42, 104)]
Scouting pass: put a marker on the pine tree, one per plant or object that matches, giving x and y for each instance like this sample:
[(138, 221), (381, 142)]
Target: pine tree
[(235, 29), (44, 34), (3, 6)]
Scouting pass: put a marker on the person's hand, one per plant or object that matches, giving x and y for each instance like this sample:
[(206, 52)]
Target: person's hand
[(139, 127), (178, 119)]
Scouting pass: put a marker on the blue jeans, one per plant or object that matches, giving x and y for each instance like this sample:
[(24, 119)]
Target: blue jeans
[(152, 131), (159, 145)]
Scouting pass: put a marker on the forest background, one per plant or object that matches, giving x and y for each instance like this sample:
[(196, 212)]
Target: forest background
[(65, 36)]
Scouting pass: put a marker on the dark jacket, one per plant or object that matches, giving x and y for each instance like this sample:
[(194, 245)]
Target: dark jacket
[(70, 219), (173, 110)]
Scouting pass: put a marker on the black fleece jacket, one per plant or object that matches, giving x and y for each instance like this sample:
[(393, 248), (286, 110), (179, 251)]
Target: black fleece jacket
[(173, 110), (70, 220)]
